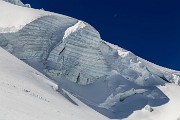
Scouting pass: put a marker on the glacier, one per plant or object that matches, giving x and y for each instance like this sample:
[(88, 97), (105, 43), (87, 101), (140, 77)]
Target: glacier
[(108, 78), (73, 49), (18, 2)]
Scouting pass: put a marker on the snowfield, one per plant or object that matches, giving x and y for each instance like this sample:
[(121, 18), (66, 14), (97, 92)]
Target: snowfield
[(26, 94), (15, 17), (76, 72), (169, 111)]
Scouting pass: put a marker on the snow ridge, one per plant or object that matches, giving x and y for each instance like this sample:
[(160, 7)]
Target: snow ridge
[(14, 18), (18, 2), (79, 25)]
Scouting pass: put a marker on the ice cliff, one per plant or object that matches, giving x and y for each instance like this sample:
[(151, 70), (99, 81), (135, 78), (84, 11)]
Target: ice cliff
[(73, 49), (72, 53)]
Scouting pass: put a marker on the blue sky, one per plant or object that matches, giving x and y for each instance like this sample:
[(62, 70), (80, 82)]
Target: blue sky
[(148, 28)]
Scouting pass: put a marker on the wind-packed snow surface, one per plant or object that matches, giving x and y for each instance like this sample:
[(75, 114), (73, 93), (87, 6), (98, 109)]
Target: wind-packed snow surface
[(26, 94), (169, 111), (111, 80), (14, 17), (17, 2)]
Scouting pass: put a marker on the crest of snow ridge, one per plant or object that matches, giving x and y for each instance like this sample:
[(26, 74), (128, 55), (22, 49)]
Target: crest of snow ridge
[(17, 2), (72, 49)]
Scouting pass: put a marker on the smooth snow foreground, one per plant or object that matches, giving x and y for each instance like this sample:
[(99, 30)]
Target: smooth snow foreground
[(26, 94), (169, 111)]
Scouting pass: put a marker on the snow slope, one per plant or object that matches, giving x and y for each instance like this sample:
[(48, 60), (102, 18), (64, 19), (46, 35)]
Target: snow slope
[(109, 79), (15, 17), (169, 111), (26, 94), (17, 2)]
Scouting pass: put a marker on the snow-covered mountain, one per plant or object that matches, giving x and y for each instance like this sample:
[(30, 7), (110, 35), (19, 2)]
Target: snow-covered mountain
[(109, 79), (17, 2)]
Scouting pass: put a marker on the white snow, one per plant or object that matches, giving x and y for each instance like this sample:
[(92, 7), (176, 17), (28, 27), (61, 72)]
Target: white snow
[(114, 99), (170, 75), (79, 25), (16, 17), (123, 53), (17, 2), (168, 111), (78, 54), (26, 94)]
